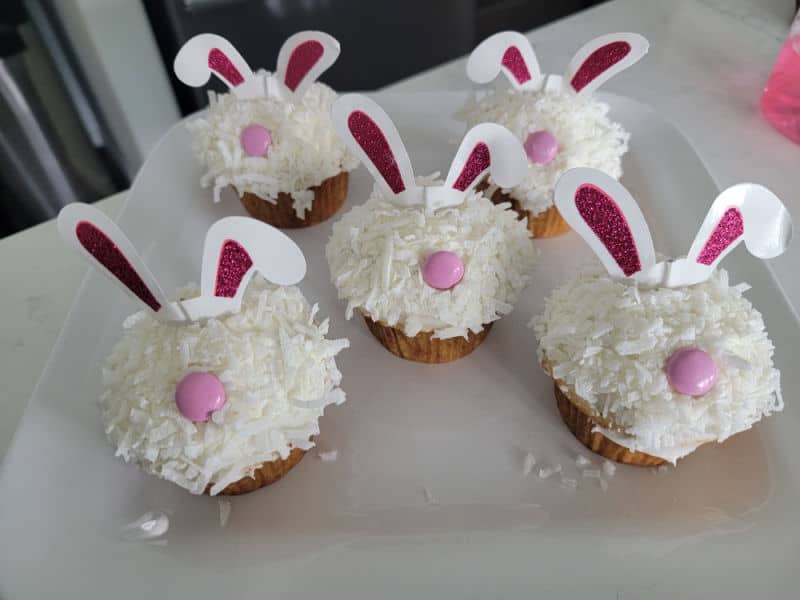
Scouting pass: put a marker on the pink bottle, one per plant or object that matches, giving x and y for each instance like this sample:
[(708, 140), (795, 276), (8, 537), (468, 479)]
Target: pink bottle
[(780, 101)]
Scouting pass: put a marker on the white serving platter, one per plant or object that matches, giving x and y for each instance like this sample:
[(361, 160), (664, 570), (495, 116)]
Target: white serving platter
[(427, 496)]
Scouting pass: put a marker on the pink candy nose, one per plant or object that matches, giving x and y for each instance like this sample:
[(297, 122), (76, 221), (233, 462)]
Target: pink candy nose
[(541, 147), (442, 270), (198, 395), (256, 140), (691, 371)]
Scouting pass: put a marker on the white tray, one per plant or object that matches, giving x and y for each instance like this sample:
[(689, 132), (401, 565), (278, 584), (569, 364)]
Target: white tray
[(725, 523)]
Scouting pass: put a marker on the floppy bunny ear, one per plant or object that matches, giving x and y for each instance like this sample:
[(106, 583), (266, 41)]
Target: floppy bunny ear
[(304, 56), (370, 133), (102, 243), (487, 147), (236, 247), (604, 213), (509, 52), (602, 58), (206, 54)]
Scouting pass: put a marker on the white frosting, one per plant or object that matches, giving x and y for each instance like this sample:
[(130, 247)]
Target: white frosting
[(586, 136), (376, 251), (305, 148), (609, 341), (271, 357)]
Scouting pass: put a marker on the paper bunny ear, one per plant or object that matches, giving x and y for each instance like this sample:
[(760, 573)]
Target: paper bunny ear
[(102, 244), (487, 147), (603, 213), (370, 133), (236, 247), (745, 212), (304, 56), (206, 54), (602, 58), (509, 52)]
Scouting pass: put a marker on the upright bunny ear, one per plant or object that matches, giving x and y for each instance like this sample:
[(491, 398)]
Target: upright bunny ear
[(602, 58), (102, 243), (304, 56), (208, 53), (370, 133), (236, 247), (509, 52), (603, 213), (487, 147)]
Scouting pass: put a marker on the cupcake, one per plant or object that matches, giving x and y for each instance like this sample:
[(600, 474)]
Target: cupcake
[(271, 137), (221, 391), (430, 265), (561, 124), (653, 359)]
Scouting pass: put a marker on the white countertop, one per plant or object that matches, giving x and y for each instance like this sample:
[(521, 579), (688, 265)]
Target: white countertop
[(707, 64)]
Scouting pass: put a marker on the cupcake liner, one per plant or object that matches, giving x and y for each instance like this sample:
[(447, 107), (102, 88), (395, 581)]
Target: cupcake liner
[(581, 424), (328, 198), (546, 224), (423, 347), (265, 474)]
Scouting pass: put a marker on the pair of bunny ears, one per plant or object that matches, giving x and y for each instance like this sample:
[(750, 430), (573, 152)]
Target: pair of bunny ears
[(303, 57), (235, 248), (604, 213), (594, 64), (370, 133)]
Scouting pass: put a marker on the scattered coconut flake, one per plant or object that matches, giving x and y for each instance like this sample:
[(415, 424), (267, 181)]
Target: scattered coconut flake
[(603, 484), (569, 482), (546, 472), (582, 461), (149, 526), (224, 511), (429, 497), (609, 468), (591, 473), (328, 455), (528, 464)]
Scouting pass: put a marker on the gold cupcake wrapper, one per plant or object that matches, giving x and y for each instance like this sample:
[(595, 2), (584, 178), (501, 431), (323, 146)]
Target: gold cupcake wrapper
[(546, 224), (423, 347), (265, 474), (328, 198)]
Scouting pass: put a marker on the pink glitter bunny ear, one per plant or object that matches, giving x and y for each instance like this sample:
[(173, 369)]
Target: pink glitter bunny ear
[(487, 147), (370, 133), (206, 54), (101, 243), (604, 214), (237, 247), (509, 52), (602, 58), (304, 57)]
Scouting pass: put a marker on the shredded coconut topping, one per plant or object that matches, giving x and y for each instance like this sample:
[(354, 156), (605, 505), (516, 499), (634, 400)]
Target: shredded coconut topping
[(586, 136), (271, 357), (377, 248), (305, 149), (608, 341)]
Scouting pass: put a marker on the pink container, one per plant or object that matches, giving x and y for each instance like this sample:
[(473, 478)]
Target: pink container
[(780, 102)]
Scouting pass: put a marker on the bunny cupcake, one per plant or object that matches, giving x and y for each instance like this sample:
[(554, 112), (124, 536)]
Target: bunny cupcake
[(221, 391), (271, 137), (430, 265), (560, 122), (653, 359)]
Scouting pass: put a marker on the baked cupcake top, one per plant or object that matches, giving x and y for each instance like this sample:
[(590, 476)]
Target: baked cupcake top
[(424, 255), (272, 133), (560, 122), (203, 390), (667, 355)]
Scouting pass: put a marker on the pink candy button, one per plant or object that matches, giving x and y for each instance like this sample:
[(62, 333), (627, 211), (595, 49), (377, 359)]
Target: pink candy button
[(442, 270), (541, 147), (691, 371), (255, 140), (198, 395)]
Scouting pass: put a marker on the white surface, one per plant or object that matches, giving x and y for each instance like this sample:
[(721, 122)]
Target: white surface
[(428, 493)]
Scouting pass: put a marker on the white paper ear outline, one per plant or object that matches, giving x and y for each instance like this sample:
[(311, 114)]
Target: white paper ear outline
[(387, 161), (595, 75), (193, 65), (507, 160), (77, 217), (566, 201), (300, 75), (490, 57)]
